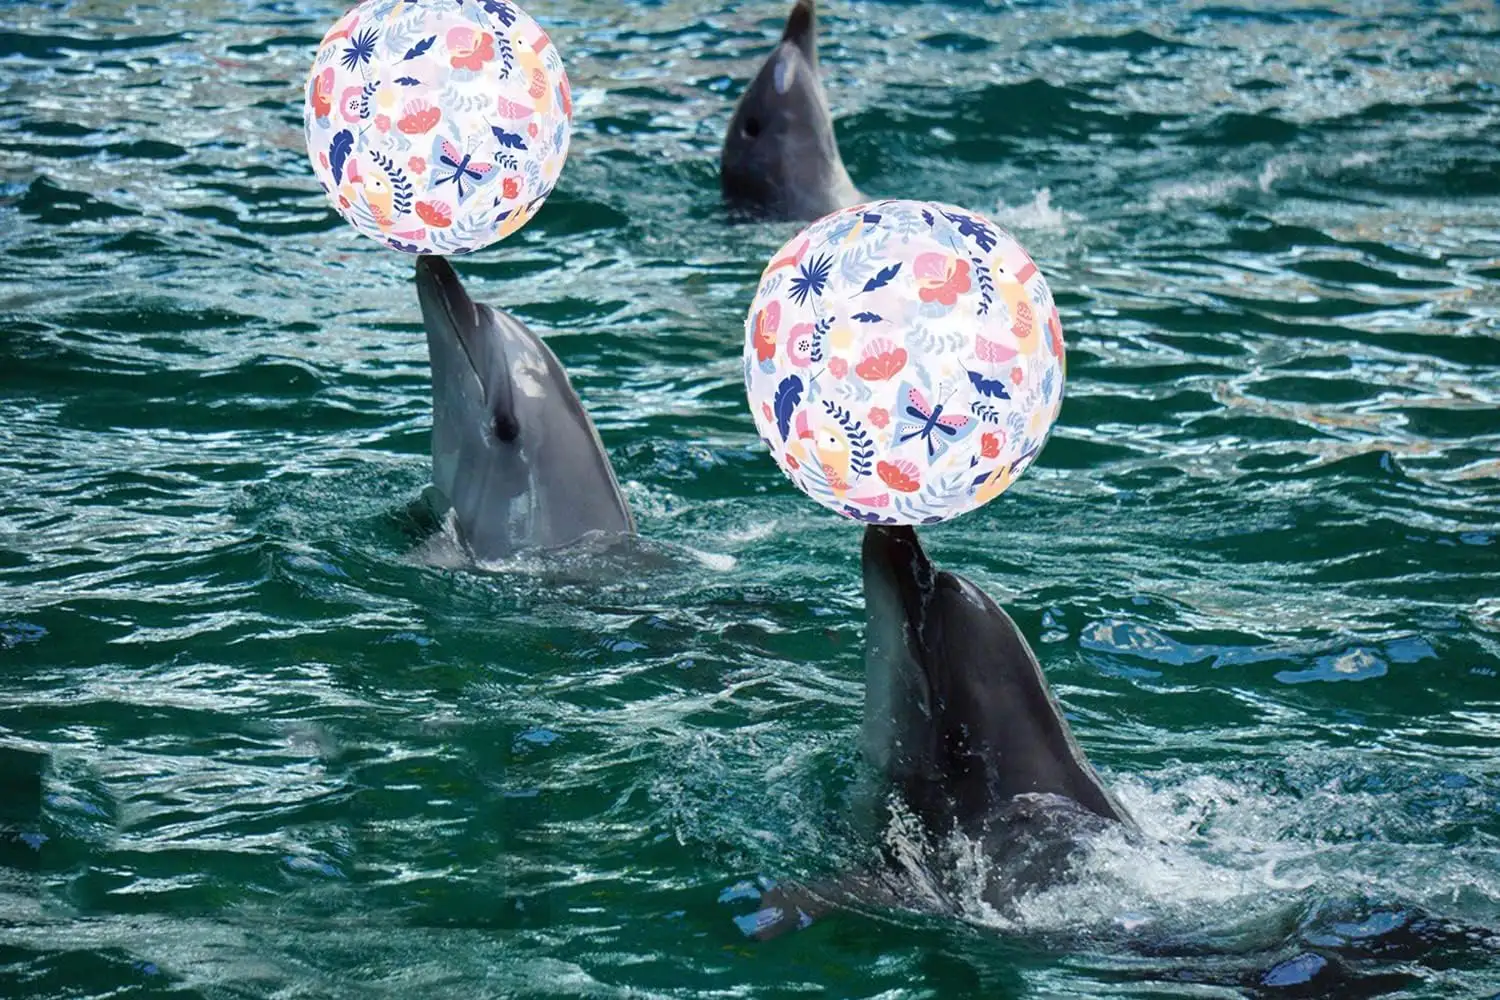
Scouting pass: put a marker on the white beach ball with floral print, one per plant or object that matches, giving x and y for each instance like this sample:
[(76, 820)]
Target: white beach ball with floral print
[(904, 361), (437, 126)]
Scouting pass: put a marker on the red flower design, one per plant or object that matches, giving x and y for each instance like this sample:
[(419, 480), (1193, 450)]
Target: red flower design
[(470, 48), (532, 130), (538, 83), (511, 188), (419, 118), (838, 368), (1016, 375), (879, 416), (882, 361), (322, 95), (899, 476), (989, 446), (417, 165), (383, 123), (766, 322), (435, 214), (941, 277)]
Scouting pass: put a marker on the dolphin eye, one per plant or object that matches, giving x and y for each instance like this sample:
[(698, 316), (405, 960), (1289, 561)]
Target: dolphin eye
[(751, 127), (505, 427)]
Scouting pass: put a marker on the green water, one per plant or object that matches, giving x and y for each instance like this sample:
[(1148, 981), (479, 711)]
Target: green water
[(1258, 558)]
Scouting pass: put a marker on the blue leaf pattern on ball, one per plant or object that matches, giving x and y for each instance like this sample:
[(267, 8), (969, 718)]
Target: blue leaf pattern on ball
[(508, 140), (868, 317), (811, 278), (360, 49), (861, 447), (338, 152), (501, 10), (993, 388), (820, 334), (419, 48), (883, 278), (986, 285), (788, 395), (867, 516), (982, 235)]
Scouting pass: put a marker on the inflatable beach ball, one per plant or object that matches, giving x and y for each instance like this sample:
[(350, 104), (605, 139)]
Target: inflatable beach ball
[(437, 126), (904, 361)]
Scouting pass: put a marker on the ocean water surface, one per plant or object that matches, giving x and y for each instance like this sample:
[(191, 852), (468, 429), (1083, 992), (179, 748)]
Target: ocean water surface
[(253, 749)]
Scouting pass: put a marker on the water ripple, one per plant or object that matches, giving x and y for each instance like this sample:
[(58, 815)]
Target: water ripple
[(1257, 558)]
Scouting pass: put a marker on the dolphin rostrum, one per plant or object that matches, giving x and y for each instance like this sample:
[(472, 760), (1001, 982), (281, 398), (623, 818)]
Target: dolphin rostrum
[(514, 454), (780, 155)]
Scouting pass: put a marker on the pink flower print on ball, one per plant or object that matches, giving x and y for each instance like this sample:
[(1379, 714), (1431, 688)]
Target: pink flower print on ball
[(799, 344), (437, 126), (904, 361)]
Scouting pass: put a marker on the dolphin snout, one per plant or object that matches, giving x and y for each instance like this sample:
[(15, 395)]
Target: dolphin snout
[(802, 30), (895, 566), (444, 301)]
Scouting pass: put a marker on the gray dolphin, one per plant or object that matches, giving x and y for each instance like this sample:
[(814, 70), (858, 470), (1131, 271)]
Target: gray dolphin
[(958, 716), (961, 733), (780, 155), (514, 454)]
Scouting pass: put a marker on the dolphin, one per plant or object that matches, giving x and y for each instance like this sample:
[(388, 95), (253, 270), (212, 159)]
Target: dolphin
[(515, 458), (780, 155), (961, 734), (958, 716)]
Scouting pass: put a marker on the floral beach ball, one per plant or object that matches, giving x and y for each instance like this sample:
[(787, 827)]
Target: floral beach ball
[(904, 361), (437, 126)]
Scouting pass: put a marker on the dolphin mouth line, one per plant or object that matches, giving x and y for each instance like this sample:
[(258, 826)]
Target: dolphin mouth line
[(443, 281)]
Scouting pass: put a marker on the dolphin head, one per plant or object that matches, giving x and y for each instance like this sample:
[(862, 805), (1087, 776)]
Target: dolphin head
[(780, 154), (514, 453), (958, 717)]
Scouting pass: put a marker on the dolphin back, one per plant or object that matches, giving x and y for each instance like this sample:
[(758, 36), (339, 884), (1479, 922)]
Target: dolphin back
[(1024, 743)]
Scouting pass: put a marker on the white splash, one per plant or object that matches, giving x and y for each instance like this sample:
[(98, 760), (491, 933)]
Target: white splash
[(1038, 215)]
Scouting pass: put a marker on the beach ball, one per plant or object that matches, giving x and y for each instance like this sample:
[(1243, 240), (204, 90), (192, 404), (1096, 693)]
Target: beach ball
[(437, 126), (904, 361)]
